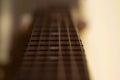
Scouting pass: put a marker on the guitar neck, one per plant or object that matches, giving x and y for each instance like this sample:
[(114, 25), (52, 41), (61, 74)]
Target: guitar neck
[(54, 51)]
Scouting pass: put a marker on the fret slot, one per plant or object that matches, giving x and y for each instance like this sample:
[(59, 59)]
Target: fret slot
[(34, 40)]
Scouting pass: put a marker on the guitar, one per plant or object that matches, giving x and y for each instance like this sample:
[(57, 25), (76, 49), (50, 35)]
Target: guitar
[(52, 50)]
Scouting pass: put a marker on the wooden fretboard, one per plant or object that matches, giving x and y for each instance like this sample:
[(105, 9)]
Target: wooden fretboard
[(54, 51)]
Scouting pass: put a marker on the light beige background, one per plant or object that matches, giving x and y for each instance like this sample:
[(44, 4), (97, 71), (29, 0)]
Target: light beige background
[(102, 38)]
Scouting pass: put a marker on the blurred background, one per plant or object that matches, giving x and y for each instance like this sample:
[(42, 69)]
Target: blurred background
[(101, 37)]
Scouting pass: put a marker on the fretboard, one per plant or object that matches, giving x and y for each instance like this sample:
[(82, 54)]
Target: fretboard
[(54, 51)]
